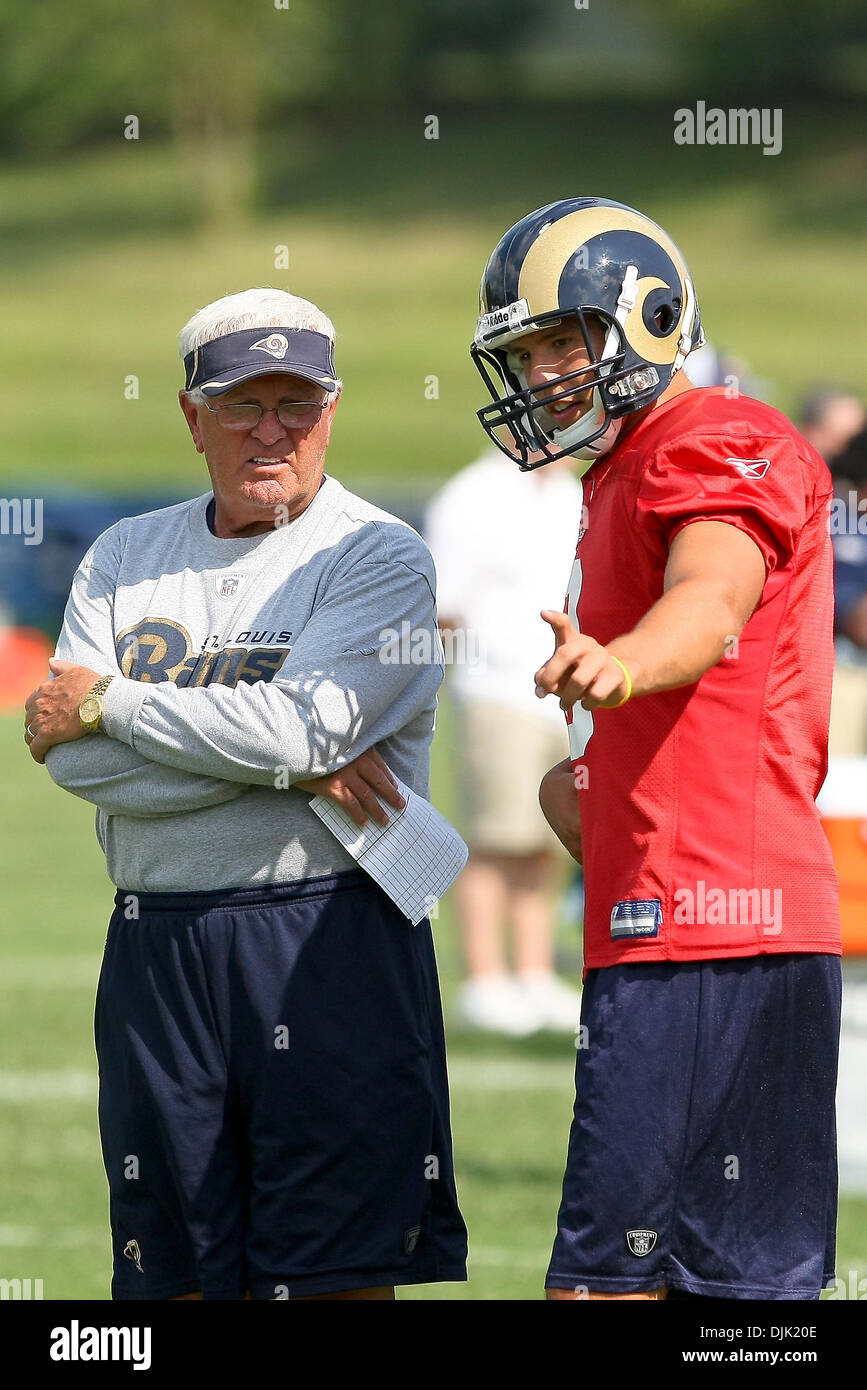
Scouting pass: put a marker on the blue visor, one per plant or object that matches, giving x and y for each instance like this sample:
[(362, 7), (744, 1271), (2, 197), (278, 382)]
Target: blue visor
[(225, 362)]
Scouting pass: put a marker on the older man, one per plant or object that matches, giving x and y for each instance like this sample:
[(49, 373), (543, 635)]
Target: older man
[(273, 1096)]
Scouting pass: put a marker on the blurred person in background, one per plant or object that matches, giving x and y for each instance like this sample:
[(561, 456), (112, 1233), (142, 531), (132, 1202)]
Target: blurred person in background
[(829, 418), (832, 420), (503, 546), (710, 365), (848, 464)]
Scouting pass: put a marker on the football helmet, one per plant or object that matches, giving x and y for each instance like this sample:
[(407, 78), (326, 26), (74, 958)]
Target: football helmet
[(592, 259)]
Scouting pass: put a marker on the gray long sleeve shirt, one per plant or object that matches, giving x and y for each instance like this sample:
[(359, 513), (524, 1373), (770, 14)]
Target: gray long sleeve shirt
[(243, 666)]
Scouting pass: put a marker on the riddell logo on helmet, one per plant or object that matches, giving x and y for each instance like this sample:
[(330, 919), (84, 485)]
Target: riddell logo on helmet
[(509, 319)]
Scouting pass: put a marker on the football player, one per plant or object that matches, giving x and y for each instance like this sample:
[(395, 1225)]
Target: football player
[(698, 630)]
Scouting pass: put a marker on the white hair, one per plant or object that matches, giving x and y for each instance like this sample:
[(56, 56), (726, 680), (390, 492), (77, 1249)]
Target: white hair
[(260, 308)]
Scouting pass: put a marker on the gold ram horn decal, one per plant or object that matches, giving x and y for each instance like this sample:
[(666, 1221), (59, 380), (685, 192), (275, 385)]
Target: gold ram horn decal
[(543, 265)]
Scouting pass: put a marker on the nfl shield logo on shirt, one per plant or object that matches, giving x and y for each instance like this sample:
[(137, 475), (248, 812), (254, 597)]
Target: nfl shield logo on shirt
[(228, 584), (640, 1242)]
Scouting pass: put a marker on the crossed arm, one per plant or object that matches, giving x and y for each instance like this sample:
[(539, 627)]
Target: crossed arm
[(121, 782), (305, 725), (713, 582)]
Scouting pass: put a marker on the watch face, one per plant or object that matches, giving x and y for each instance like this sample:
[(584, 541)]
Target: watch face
[(89, 709)]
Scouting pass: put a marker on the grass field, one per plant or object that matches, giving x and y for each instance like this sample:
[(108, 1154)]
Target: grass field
[(103, 258), (511, 1101)]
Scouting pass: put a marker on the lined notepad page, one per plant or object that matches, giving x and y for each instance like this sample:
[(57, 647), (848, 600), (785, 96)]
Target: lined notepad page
[(414, 858)]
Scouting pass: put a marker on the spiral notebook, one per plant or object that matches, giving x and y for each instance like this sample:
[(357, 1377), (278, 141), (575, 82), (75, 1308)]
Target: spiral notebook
[(414, 858)]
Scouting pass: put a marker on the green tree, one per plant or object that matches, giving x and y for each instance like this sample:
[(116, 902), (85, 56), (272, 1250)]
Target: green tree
[(202, 72), (763, 49)]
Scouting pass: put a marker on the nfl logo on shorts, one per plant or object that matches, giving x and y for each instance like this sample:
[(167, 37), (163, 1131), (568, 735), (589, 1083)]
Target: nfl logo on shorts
[(640, 1242)]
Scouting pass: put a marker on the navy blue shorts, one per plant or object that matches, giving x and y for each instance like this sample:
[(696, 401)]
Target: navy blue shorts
[(703, 1150), (273, 1100)]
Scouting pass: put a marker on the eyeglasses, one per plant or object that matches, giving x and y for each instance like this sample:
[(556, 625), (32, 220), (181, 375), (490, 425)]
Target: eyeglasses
[(293, 415)]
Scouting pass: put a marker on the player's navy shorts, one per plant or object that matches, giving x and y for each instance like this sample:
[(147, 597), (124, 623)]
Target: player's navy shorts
[(273, 1100), (703, 1154)]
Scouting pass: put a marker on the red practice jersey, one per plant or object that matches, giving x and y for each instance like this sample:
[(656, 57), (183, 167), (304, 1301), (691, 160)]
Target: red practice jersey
[(700, 829)]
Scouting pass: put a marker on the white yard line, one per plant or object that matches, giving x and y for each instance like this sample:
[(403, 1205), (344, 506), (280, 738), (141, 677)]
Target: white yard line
[(529, 1075), (502, 1074), (29, 1237), (851, 1091), (47, 1085), (501, 1257), (49, 972)]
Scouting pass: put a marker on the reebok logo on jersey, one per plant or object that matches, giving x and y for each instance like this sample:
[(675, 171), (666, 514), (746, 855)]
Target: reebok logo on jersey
[(275, 344), (750, 468)]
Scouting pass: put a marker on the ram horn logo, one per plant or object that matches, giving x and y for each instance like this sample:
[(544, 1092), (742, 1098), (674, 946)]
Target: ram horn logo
[(132, 1252), (276, 345), (640, 1242)]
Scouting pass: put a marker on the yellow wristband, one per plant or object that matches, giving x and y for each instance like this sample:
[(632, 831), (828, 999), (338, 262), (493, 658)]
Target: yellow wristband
[(628, 682)]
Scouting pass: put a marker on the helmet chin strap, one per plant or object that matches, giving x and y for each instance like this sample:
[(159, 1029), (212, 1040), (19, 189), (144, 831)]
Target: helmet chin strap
[(588, 453), (573, 436), (593, 419), (685, 342)]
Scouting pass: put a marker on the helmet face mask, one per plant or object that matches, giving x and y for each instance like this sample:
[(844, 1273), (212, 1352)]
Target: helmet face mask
[(580, 259), (520, 424)]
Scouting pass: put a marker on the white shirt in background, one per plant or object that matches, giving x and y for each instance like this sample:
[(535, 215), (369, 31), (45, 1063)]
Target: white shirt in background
[(503, 544)]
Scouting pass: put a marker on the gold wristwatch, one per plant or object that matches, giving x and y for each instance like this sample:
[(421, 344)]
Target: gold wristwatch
[(92, 707)]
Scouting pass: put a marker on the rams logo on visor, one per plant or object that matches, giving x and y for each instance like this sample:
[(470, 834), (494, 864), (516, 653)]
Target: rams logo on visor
[(275, 344)]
